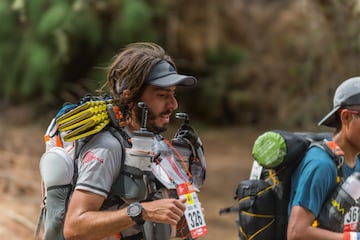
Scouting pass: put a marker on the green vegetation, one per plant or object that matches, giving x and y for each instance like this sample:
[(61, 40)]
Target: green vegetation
[(258, 62), (51, 44)]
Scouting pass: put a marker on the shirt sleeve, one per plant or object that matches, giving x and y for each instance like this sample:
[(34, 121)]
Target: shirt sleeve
[(313, 180), (99, 164)]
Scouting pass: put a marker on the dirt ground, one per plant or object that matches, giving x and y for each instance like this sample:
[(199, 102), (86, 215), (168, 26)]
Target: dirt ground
[(228, 154)]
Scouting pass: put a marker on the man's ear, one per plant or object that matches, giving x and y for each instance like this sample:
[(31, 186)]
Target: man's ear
[(125, 96), (346, 117)]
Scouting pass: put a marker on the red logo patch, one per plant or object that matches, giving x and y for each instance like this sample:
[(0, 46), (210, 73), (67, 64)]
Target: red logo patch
[(90, 156)]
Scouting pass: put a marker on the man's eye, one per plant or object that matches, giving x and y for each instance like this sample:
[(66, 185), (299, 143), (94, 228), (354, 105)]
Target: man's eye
[(166, 95)]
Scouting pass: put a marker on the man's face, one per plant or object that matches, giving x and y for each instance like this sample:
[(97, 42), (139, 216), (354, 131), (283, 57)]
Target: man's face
[(161, 102)]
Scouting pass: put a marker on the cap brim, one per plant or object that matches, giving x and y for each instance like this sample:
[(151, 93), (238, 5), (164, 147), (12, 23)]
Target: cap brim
[(174, 80), (330, 119), (163, 74)]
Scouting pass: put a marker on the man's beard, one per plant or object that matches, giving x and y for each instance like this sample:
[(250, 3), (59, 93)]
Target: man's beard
[(150, 125)]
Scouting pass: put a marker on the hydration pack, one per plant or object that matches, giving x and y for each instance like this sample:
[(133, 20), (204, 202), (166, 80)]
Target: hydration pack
[(262, 200), (67, 133), (72, 127)]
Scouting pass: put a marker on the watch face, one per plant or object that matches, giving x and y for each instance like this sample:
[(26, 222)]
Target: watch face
[(134, 209), (135, 212)]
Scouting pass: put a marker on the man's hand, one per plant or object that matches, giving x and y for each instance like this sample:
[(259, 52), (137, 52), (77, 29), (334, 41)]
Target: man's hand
[(168, 210)]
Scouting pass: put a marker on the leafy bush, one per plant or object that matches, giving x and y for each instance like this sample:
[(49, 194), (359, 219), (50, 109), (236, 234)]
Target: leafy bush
[(51, 44)]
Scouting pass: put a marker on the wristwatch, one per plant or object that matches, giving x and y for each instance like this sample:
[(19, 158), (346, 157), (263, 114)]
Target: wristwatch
[(135, 211)]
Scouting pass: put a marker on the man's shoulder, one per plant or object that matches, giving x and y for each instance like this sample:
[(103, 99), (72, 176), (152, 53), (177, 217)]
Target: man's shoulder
[(317, 151), (106, 139), (318, 156)]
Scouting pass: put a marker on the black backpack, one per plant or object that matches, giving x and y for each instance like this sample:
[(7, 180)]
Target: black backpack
[(262, 201)]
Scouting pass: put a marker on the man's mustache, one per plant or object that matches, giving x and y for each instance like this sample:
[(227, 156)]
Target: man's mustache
[(151, 116)]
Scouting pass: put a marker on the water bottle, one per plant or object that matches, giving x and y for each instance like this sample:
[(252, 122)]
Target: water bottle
[(181, 145), (189, 145), (140, 154), (136, 178), (352, 185), (342, 199)]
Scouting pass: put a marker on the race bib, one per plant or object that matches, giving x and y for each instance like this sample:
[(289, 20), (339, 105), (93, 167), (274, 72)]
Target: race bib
[(193, 213), (351, 219)]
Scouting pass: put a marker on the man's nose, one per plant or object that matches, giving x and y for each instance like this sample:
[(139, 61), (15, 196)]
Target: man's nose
[(172, 103)]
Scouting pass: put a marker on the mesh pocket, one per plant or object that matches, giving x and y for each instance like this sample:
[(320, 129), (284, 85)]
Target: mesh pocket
[(257, 210), (134, 185), (56, 205), (256, 226)]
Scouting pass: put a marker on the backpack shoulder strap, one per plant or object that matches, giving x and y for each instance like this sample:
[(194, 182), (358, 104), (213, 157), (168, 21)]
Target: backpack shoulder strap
[(120, 134), (331, 148), (124, 140)]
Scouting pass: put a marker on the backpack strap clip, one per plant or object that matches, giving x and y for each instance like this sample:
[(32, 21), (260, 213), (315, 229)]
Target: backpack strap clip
[(335, 152)]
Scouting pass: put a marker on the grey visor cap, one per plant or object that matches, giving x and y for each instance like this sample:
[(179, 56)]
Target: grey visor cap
[(163, 74), (347, 94)]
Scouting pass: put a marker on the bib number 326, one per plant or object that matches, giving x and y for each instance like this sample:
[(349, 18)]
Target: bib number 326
[(193, 213)]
